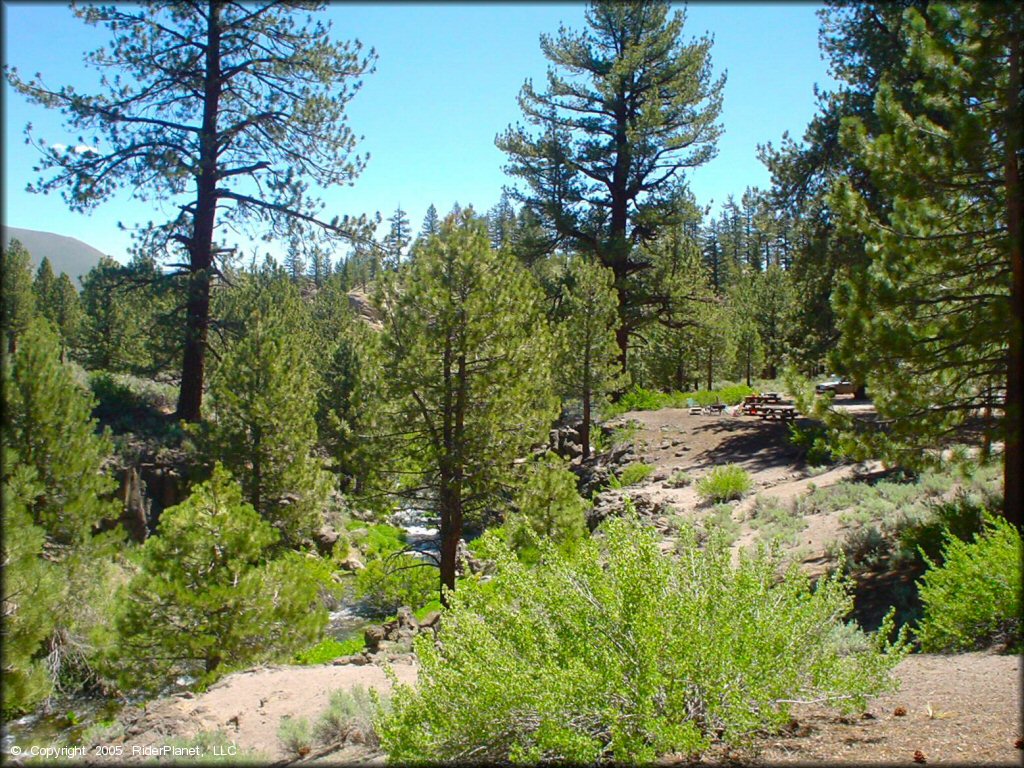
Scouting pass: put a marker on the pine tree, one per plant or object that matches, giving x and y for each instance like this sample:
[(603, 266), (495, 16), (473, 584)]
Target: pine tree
[(934, 323), (19, 302), (32, 590), (398, 238), (209, 598), (263, 396), (294, 262), (586, 363), (467, 361), (774, 304), (47, 421), (319, 266), (67, 313), (742, 300), (501, 221), (115, 324), (862, 43), (43, 287), (629, 107), (221, 109), (431, 223), (548, 507)]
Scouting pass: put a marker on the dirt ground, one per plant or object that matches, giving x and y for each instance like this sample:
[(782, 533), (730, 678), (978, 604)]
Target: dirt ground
[(961, 709)]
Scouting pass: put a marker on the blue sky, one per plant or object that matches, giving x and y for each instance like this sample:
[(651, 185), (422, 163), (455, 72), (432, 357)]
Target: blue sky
[(446, 83)]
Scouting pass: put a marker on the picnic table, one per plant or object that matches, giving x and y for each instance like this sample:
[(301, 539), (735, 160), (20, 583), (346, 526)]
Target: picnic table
[(753, 404), (781, 412), (714, 408)]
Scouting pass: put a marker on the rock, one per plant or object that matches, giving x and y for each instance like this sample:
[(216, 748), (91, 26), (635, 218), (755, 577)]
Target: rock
[(374, 636), (356, 659), (431, 620), (406, 619), (352, 562), (659, 476), (326, 537)]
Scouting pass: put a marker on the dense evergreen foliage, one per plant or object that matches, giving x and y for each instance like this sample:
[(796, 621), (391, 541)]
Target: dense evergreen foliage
[(209, 596), (467, 365), (629, 105)]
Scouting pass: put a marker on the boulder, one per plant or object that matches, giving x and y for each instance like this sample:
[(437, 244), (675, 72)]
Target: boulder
[(374, 636), (406, 619), (351, 562), (431, 620)]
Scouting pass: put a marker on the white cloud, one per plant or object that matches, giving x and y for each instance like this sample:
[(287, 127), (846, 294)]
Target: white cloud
[(82, 149), (58, 147)]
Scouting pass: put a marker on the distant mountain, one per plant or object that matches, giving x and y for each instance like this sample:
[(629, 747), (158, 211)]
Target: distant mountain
[(66, 254)]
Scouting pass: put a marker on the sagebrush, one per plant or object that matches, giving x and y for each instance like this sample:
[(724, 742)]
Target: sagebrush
[(616, 652)]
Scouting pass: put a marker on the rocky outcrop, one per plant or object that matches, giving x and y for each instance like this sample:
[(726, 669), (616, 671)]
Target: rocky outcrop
[(394, 638)]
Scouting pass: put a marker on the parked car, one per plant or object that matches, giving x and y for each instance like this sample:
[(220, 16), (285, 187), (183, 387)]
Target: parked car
[(835, 385)]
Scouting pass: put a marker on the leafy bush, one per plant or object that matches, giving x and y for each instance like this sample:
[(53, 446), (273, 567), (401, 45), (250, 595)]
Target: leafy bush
[(632, 474), (615, 651), (724, 483), (679, 479), (349, 718), (377, 540), (387, 583), (974, 597), (639, 399)]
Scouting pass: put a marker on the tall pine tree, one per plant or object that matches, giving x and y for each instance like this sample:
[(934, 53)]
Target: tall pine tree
[(934, 321), (467, 361), (629, 106)]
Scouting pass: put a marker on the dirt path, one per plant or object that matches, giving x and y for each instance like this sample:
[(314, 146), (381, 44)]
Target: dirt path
[(248, 708)]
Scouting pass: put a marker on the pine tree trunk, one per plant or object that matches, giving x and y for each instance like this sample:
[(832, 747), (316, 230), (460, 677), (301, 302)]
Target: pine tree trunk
[(1013, 458), (197, 320), (585, 427)]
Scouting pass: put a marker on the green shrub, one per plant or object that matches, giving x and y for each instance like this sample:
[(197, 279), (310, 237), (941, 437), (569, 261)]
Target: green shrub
[(775, 520), (974, 597), (387, 583), (724, 483), (813, 441), (295, 735), (616, 652), (380, 539), (548, 507), (639, 399), (330, 649), (348, 718), (633, 474), (720, 523), (679, 479)]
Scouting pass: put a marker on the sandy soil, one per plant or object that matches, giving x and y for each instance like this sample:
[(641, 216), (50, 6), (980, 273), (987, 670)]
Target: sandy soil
[(249, 706), (959, 709)]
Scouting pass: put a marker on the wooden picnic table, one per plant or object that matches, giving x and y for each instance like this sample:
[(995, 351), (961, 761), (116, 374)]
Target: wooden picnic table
[(781, 412), (753, 404)]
